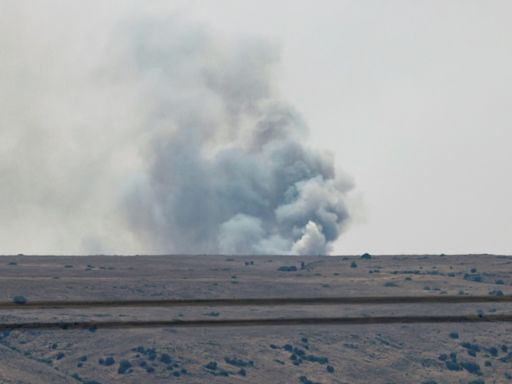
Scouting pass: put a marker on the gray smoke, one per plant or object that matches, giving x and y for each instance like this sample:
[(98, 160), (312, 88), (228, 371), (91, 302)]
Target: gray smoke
[(138, 134), (229, 170)]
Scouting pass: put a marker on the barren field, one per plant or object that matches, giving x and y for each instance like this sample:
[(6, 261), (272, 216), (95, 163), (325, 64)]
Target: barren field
[(198, 319)]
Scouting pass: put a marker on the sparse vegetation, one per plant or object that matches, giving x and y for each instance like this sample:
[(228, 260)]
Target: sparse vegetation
[(305, 380)]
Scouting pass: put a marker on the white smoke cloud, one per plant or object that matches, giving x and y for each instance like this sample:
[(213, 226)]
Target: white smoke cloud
[(312, 242), (153, 135)]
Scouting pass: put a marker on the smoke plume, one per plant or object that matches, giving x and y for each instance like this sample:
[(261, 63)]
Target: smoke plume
[(154, 135)]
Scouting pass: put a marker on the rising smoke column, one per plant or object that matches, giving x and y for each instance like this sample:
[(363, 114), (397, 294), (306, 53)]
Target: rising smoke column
[(228, 167)]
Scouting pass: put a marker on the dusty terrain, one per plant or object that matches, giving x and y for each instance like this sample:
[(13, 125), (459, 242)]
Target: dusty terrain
[(398, 352)]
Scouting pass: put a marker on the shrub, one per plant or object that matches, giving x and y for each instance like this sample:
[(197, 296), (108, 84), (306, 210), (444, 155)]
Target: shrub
[(239, 362), (472, 368), (499, 282), (316, 359), (305, 380), (330, 369), (454, 335), (493, 351), (366, 256), (471, 347), (452, 365), (473, 277), (507, 358), (109, 361), (353, 265), (212, 366), (390, 284), (139, 349), (165, 358), (19, 300), (124, 366)]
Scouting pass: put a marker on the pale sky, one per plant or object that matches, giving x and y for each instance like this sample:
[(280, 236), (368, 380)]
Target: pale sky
[(412, 97)]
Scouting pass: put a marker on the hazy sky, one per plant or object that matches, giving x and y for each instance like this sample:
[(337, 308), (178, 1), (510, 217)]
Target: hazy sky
[(412, 98)]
